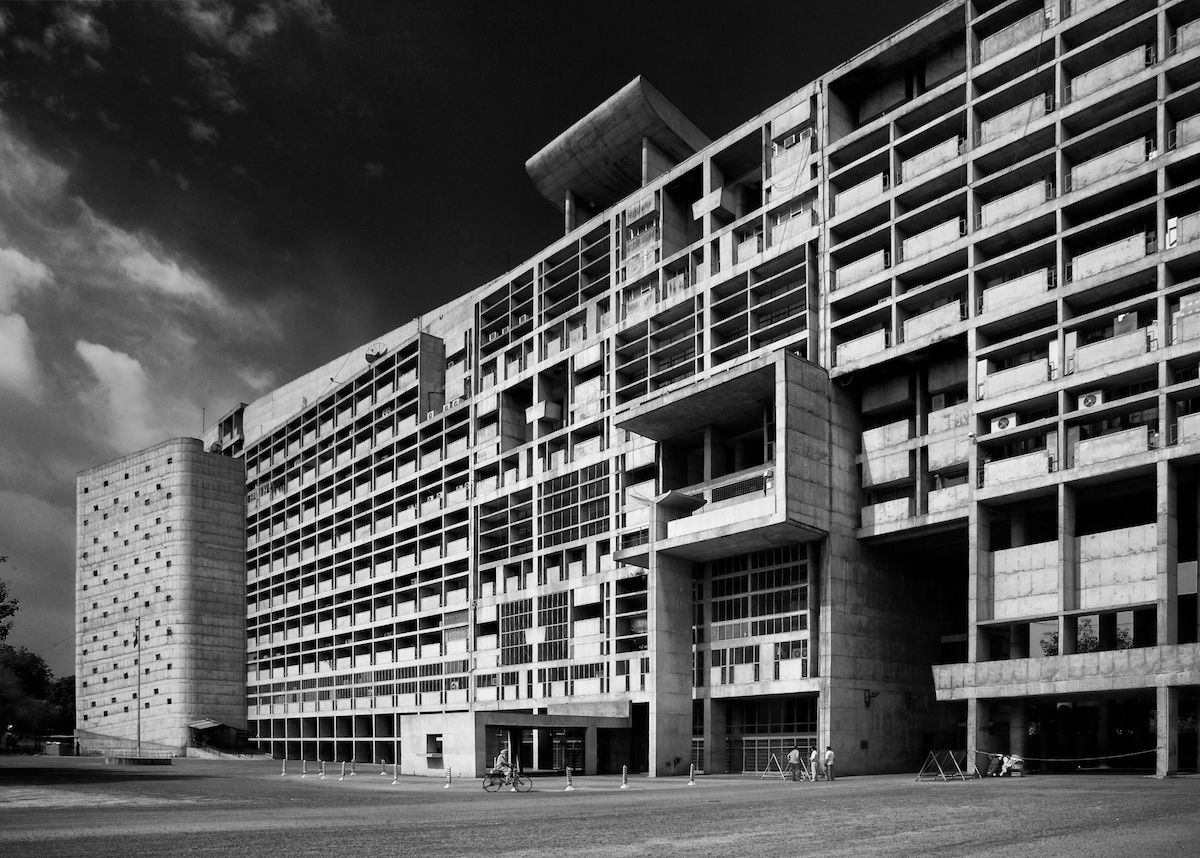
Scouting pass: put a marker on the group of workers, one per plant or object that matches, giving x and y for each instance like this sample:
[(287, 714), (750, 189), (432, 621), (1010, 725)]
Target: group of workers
[(796, 770)]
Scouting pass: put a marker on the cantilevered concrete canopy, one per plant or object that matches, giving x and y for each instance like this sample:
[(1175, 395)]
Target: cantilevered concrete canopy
[(599, 158), (715, 401)]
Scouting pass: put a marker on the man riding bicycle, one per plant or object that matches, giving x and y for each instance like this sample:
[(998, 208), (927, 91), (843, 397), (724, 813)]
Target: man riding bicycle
[(502, 766)]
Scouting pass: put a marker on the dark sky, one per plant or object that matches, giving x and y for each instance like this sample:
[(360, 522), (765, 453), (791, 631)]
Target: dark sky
[(200, 201)]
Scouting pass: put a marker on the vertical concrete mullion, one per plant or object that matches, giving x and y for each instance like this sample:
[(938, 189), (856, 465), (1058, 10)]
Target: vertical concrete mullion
[(1167, 591)]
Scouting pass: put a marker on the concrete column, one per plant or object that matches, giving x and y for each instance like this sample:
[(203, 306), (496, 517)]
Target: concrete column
[(669, 596), (979, 582), (1166, 757), (1068, 550), (977, 725), (715, 732), (1167, 593), (590, 766), (1018, 730)]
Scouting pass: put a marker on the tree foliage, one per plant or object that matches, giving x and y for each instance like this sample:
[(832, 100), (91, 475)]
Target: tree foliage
[(8, 607)]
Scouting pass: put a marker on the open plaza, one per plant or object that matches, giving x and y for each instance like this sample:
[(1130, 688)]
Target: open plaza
[(81, 806)]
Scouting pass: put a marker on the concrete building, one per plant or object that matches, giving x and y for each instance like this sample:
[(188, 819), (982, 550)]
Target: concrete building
[(870, 423), (160, 600)]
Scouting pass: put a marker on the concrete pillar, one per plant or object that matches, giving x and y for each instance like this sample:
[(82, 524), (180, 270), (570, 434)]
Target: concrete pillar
[(571, 218), (977, 726), (715, 733), (590, 766), (1166, 756), (1018, 729), (1167, 591), (669, 614), (979, 582), (1104, 722), (1068, 550)]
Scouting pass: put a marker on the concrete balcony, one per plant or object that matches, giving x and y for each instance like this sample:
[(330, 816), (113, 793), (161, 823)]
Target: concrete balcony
[(1187, 430), (881, 468), (949, 452), (1118, 567), (1014, 34), (641, 207), (1182, 230), (931, 159), (1015, 378), (1004, 295), (1187, 36), (1016, 204), (933, 239), (1127, 157), (1108, 670), (1017, 468), (933, 321), (1117, 69), (1120, 347), (1186, 131), (871, 189), (748, 248), (1025, 581), (783, 159), (1015, 118), (946, 419), (1110, 256), (887, 512), (860, 269), (883, 437), (745, 496), (590, 356), (1115, 445), (862, 347), (949, 500)]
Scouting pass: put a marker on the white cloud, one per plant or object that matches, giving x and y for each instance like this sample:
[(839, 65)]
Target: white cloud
[(76, 26), (18, 363), (121, 396), (201, 131), (18, 272)]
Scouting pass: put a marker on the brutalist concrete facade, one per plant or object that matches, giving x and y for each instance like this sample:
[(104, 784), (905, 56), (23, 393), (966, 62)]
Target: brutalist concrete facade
[(869, 423), (160, 599)]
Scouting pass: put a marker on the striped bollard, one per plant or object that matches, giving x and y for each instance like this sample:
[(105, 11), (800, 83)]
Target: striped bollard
[(570, 783), (395, 773), (283, 771), (352, 772), (304, 768), (692, 775), (382, 768), (446, 785), (343, 775), (322, 770), (624, 777)]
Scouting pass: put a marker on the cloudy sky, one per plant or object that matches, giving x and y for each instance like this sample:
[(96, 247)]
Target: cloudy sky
[(201, 200)]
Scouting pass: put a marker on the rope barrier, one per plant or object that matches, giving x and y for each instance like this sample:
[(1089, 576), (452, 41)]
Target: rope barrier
[(1064, 759)]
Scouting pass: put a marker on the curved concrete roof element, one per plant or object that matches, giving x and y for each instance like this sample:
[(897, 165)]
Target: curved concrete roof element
[(600, 156)]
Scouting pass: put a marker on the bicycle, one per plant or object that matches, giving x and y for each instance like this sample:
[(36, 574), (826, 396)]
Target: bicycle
[(492, 781)]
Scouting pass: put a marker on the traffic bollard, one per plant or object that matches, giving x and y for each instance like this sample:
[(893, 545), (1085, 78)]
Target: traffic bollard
[(304, 768), (395, 773), (343, 775), (446, 785), (692, 775), (624, 777), (322, 770), (284, 770), (382, 768), (570, 783)]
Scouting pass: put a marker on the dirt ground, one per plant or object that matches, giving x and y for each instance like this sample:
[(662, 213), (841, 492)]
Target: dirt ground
[(71, 807)]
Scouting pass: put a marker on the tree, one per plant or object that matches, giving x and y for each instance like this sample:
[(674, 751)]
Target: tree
[(8, 606), (1086, 639)]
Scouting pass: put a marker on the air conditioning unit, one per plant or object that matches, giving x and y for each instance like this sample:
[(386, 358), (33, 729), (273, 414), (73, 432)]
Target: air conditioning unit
[(938, 403), (447, 407), (1004, 421), (1091, 399), (457, 401), (430, 415)]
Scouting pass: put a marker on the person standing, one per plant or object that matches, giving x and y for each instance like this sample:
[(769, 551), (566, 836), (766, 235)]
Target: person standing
[(814, 762), (828, 763), (793, 760)]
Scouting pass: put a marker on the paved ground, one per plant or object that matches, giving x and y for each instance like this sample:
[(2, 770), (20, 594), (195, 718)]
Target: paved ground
[(55, 806)]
